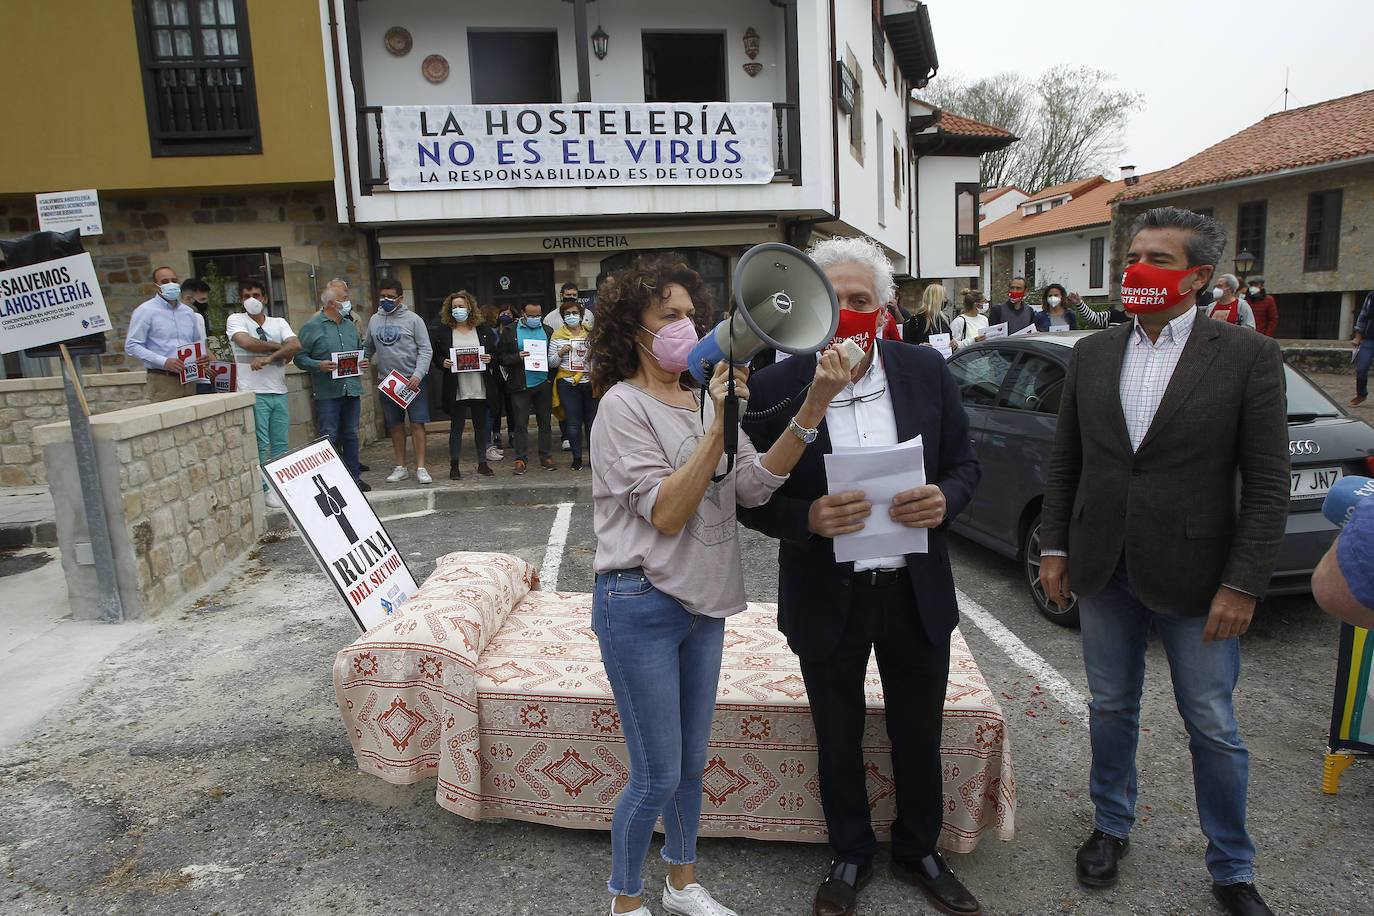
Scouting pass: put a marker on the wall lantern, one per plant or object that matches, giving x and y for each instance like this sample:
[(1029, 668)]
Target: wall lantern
[(1245, 262), (751, 43), (600, 42)]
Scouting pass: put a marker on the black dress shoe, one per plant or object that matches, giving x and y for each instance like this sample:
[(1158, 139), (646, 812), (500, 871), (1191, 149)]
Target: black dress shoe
[(1241, 899), (364, 485), (1098, 857), (839, 892), (945, 891), (364, 468)]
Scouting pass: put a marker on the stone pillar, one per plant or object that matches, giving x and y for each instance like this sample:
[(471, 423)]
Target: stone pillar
[(183, 496), (1345, 326)]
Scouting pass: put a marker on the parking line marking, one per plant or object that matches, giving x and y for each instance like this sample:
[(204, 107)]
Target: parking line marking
[(553, 553), (1024, 656)]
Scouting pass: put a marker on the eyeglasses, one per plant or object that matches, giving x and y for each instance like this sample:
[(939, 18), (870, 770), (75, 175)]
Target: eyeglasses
[(861, 399), (262, 335)]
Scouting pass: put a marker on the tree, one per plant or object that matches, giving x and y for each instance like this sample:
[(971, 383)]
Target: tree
[(1070, 122)]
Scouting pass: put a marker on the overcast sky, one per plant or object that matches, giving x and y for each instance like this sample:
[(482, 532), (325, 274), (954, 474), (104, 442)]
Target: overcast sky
[(1207, 68)]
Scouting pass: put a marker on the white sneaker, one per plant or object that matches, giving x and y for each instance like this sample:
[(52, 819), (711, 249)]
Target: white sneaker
[(567, 446), (494, 453), (397, 473), (272, 499), (422, 475), (692, 900), (642, 911)]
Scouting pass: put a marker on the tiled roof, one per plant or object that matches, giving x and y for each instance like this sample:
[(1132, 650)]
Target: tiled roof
[(960, 126), (992, 194), (1072, 188), (1092, 207), (1326, 132)]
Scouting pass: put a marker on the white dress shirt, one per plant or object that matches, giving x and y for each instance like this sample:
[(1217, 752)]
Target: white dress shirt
[(1146, 370), (865, 425)]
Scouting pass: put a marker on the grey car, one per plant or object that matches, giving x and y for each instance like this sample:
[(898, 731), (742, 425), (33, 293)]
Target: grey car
[(1011, 389)]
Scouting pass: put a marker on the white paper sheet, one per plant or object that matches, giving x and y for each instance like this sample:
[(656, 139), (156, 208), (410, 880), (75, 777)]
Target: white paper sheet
[(995, 330), (466, 359), (941, 343), (538, 359), (577, 354), (881, 473), (1028, 329)]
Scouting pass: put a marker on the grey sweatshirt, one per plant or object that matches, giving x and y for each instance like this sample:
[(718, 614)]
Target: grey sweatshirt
[(399, 341)]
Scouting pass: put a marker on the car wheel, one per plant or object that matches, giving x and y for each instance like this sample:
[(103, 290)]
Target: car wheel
[(1030, 552)]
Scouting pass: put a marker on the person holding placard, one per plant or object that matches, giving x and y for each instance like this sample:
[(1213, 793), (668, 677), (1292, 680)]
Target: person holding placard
[(161, 328), (338, 401), (836, 614), (465, 391), (399, 339), (1056, 315), (523, 350), (263, 344), (568, 355), (968, 326), (929, 318)]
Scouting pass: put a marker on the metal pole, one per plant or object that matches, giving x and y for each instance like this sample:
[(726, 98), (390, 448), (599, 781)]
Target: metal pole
[(92, 494)]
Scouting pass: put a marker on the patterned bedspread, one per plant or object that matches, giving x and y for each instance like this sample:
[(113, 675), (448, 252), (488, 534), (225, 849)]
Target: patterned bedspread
[(499, 691)]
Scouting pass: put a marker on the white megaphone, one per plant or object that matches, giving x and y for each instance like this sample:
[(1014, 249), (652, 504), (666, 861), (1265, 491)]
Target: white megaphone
[(782, 299)]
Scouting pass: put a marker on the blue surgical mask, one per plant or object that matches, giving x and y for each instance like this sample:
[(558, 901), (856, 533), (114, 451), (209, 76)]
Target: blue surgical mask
[(533, 323), (170, 291), (460, 314), (345, 307), (387, 305), (505, 317), (572, 319)]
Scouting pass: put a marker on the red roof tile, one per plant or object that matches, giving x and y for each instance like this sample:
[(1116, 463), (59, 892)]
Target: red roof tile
[(1075, 188), (1092, 207), (960, 126), (1326, 132), (992, 194)]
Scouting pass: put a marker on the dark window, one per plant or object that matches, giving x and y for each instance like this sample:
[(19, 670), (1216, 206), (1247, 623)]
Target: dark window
[(512, 67), (684, 67), (1250, 219), (197, 77), (1037, 386), (1323, 229), (225, 270), (1029, 267), (966, 223), (979, 374), (1097, 249)]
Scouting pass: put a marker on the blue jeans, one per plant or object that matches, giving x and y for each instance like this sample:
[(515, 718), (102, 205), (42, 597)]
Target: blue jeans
[(1362, 360), (663, 664), (1116, 632), (339, 423), (579, 407)]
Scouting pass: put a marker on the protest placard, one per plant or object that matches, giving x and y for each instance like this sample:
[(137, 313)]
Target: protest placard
[(397, 387), (466, 359), (224, 376), (538, 358), (577, 356), (63, 210), (941, 342), (995, 331), (342, 531), (347, 363), (190, 355), (49, 302)]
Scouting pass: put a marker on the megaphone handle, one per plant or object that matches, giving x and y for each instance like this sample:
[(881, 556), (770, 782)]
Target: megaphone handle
[(731, 425)]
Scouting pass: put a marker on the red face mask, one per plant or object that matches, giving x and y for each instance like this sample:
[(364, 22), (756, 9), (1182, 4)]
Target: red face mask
[(1146, 288), (861, 327), (1015, 296)]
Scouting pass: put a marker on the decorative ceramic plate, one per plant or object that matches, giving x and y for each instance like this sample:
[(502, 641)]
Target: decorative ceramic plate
[(435, 68), (753, 68), (398, 41)]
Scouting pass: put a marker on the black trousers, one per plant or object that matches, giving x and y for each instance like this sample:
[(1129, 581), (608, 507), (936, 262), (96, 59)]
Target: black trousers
[(914, 676), (459, 413)]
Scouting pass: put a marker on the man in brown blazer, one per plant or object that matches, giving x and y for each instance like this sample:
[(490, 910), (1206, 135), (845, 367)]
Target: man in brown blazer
[(1141, 518)]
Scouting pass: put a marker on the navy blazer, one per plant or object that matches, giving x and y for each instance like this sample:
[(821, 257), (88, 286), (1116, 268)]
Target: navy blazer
[(813, 589)]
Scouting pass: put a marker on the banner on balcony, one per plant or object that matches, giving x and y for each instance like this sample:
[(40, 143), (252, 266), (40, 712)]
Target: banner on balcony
[(456, 147)]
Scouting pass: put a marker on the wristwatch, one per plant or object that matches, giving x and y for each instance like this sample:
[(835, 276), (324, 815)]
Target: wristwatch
[(801, 432)]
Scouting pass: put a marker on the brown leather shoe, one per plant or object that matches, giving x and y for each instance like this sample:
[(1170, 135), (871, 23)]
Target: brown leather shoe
[(1357, 400), (839, 892), (944, 891)]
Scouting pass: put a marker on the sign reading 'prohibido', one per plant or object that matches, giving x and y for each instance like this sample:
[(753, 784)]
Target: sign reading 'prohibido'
[(445, 147)]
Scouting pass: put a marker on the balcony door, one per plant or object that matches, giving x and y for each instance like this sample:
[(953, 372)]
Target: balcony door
[(685, 67), (514, 67)]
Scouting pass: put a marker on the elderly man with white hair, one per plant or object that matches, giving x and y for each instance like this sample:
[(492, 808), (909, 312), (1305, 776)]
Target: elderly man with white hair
[(1227, 305), (338, 401), (834, 614)]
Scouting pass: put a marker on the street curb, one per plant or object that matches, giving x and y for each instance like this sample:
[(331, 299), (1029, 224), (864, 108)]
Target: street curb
[(401, 502), (28, 534)]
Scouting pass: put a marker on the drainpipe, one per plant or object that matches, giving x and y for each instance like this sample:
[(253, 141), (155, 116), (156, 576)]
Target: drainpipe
[(343, 120), (916, 185), (834, 116)]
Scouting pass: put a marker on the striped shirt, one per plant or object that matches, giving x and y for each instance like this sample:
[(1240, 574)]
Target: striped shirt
[(1146, 370)]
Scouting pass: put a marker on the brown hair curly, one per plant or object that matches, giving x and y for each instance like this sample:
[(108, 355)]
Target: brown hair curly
[(474, 314), (620, 305)]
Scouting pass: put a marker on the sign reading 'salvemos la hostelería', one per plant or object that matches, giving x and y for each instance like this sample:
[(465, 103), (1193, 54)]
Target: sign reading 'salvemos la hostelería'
[(455, 147)]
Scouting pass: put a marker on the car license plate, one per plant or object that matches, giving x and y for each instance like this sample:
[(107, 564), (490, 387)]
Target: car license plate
[(1310, 482)]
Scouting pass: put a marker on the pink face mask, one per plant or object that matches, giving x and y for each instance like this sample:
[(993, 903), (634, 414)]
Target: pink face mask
[(672, 344)]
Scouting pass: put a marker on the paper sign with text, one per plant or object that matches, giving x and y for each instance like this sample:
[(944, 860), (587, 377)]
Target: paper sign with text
[(995, 330), (466, 359), (190, 354), (941, 343), (577, 356), (343, 532), (347, 363), (538, 359), (397, 387), (64, 210), (223, 375), (50, 302)]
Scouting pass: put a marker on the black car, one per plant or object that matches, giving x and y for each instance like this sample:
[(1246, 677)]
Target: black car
[(1011, 389)]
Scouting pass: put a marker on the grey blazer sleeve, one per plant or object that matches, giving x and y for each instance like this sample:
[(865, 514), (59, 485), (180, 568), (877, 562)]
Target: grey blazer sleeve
[(1264, 469)]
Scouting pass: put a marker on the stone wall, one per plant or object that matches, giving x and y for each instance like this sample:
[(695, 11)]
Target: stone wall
[(182, 494), (26, 403)]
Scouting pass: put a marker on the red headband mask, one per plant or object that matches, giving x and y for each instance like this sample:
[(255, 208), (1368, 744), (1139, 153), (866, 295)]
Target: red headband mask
[(861, 327), (1146, 289)]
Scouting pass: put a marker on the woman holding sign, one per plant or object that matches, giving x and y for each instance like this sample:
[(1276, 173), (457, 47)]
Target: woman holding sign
[(568, 354), (462, 352), (667, 557)]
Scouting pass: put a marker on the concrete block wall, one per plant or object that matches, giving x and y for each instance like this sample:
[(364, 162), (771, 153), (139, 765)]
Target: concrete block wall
[(26, 403), (182, 494)]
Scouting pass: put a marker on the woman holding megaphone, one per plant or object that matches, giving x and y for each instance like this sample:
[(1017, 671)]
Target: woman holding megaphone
[(667, 558)]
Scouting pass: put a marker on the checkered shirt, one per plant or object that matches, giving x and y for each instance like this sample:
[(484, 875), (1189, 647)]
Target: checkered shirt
[(1146, 370)]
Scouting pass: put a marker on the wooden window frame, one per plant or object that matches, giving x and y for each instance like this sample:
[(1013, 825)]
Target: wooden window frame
[(1254, 240), (966, 187), (1327, 255), (1097, 262)]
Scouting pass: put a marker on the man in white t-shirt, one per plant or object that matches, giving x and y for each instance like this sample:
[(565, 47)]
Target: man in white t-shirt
[(263, 345)]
